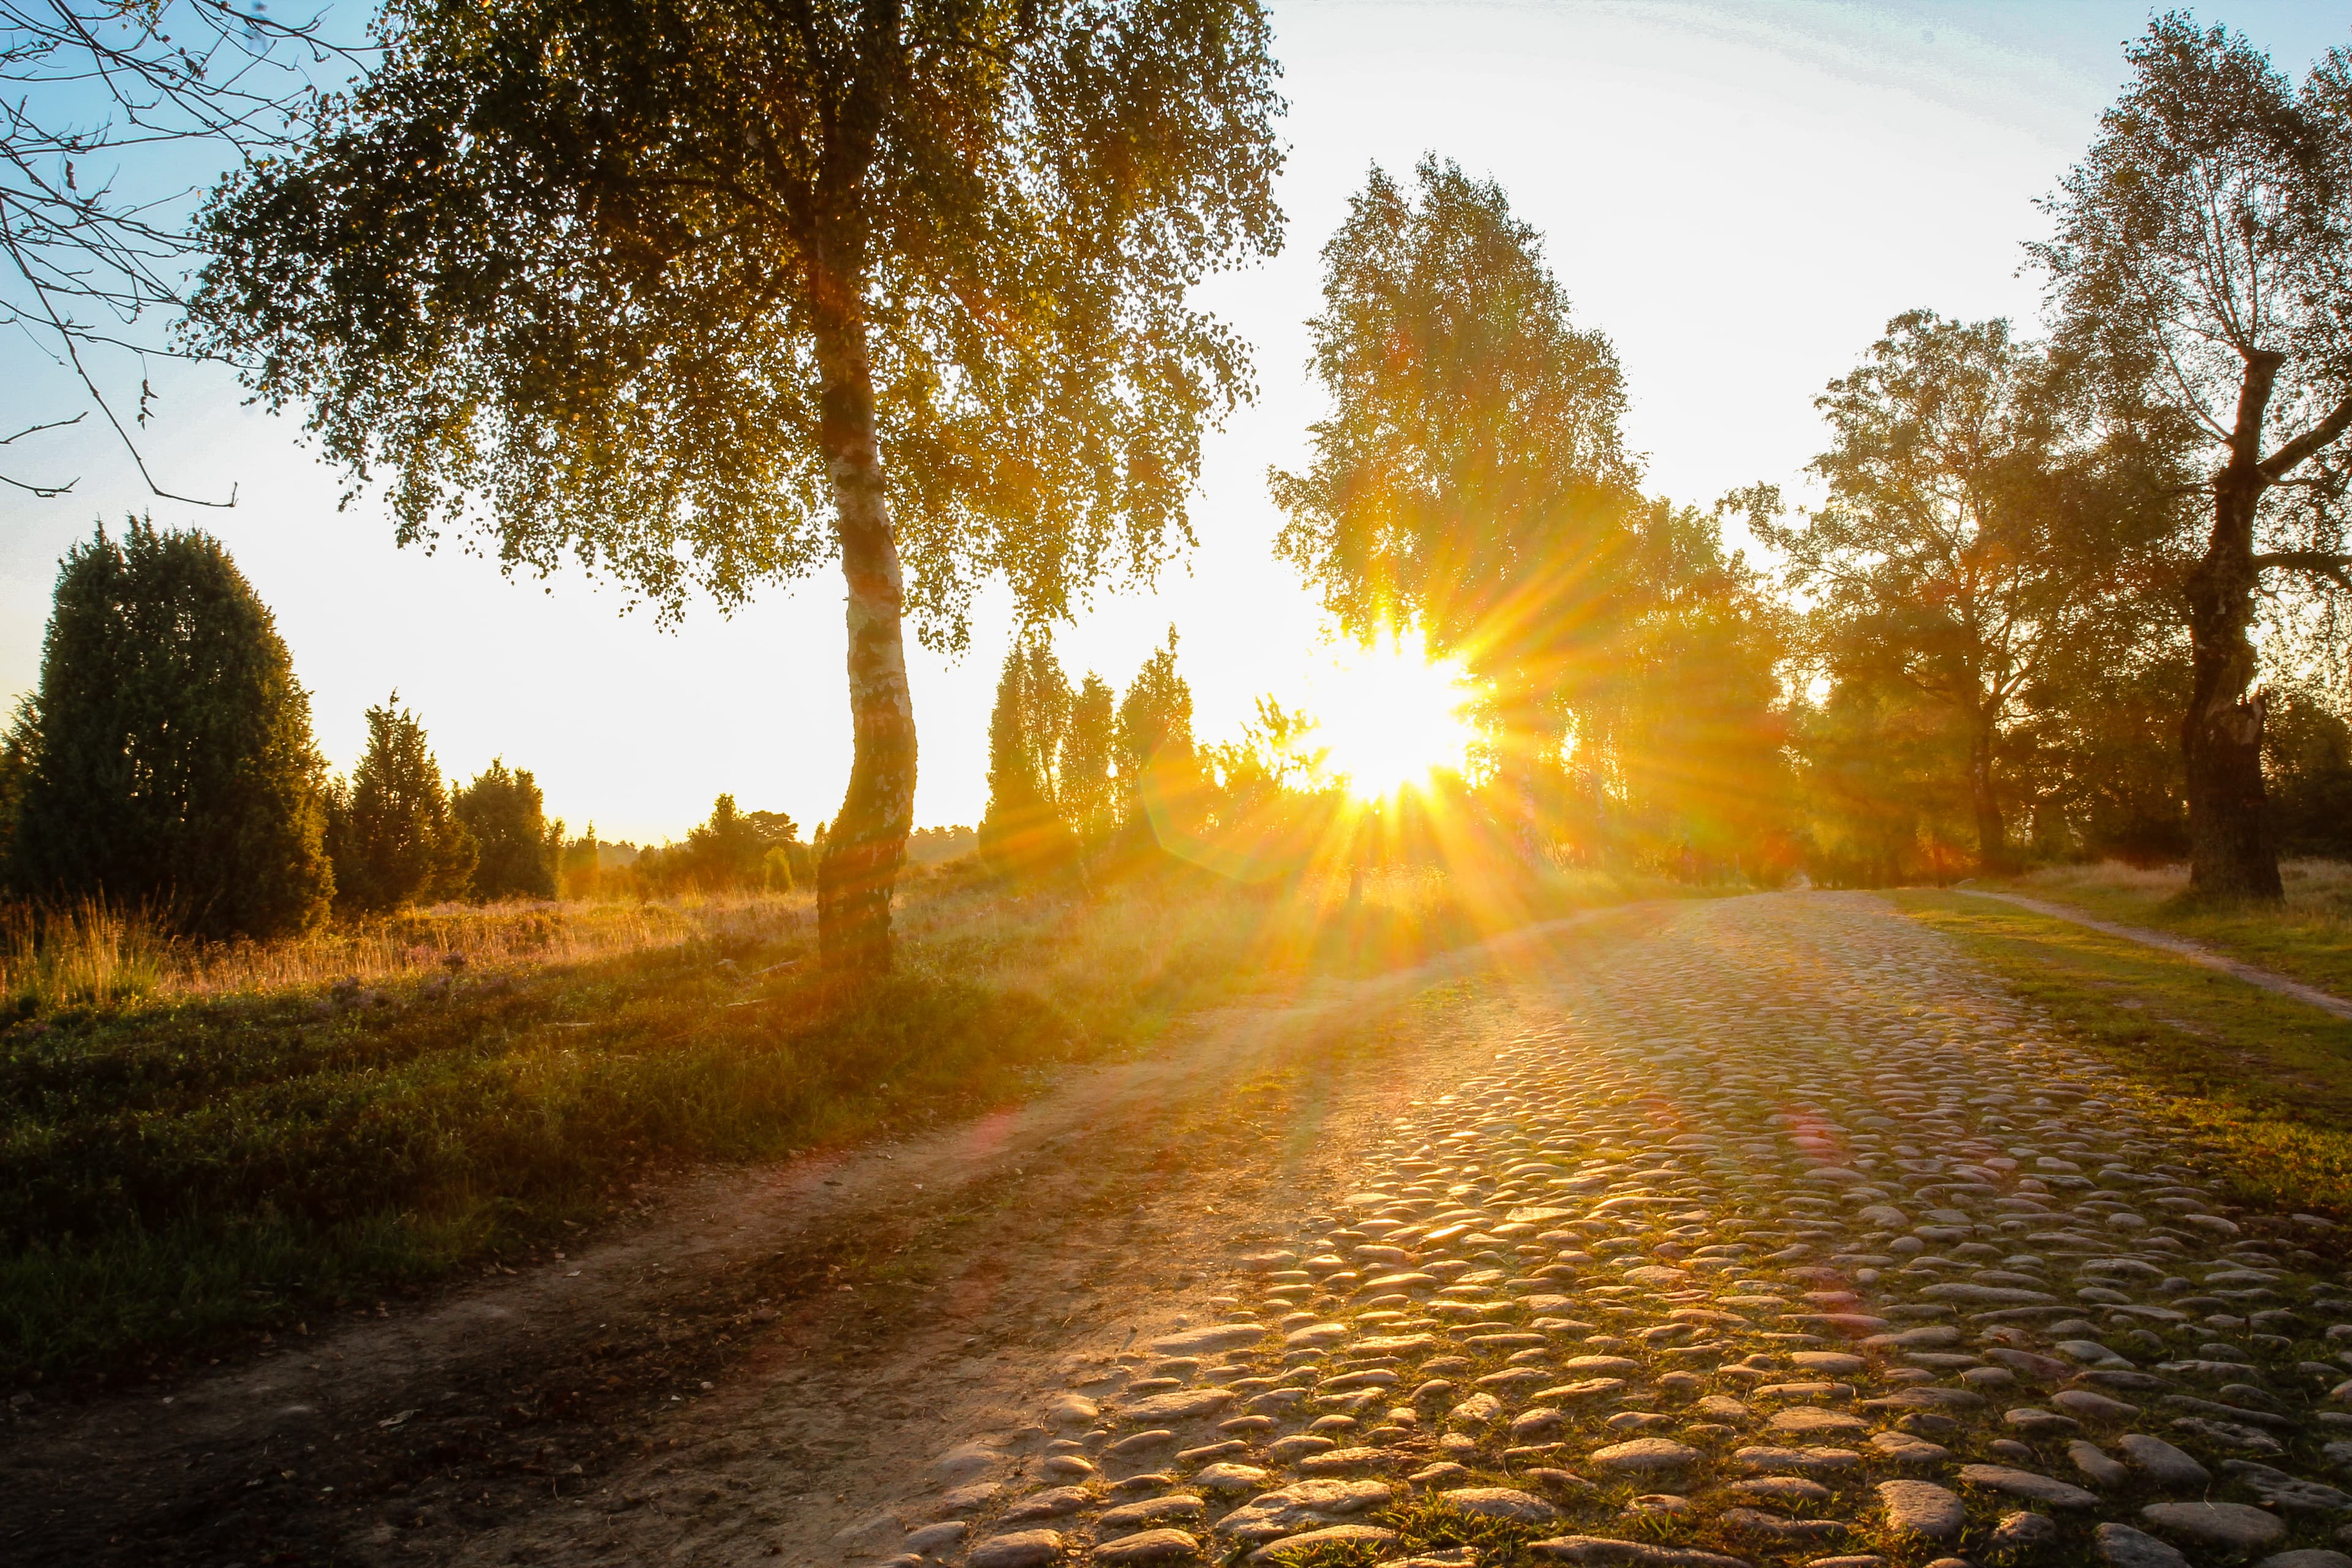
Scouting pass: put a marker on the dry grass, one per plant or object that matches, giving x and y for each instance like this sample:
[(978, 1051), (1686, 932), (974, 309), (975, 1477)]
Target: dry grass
[(90, 954), (2309, 937), (196, 1143)]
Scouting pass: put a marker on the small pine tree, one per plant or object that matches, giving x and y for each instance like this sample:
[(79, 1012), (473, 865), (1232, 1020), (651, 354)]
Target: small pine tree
[(505, 812), (166, 758), (393, 838)]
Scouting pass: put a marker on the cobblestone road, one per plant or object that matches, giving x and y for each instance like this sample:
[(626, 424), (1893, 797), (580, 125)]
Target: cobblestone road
[(1786, 1239)]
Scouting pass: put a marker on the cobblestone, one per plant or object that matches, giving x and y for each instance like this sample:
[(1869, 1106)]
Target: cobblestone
[(1785, 1237)]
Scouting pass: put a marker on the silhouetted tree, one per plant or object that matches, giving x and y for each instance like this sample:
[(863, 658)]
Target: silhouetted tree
[(393, 838), (1024, 829), (1966, 543), (708, 296), (166, 758), (1087, 795), (2198, 267), (1471, 479), (519, 847), (1155, 715)]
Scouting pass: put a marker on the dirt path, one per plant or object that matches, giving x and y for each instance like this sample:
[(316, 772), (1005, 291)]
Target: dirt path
[(1765, 1230), (2195, 952), (796, 1322)]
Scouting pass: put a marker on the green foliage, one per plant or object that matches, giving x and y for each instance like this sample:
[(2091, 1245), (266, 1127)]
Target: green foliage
[(1472, 475), (1974, 538), (1679, 760), (1084, 786), (2310, 757), (1155, 713), (613, 282), (393, 838), (519, 847), (732, 848), (165, 759)]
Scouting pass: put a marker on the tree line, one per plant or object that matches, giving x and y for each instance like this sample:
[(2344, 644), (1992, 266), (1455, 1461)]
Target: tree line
[(707, 299), (165, 761)]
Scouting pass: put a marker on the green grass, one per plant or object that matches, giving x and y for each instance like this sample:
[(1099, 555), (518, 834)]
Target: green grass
[(240, 1142), (2262, 1082), (2309, 939)]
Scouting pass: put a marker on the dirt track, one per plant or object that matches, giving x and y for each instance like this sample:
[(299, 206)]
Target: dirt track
[(1739, 1135), (757, 1360)]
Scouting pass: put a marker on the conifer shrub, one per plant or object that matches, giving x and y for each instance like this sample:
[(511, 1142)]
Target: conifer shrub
[(165, 761)]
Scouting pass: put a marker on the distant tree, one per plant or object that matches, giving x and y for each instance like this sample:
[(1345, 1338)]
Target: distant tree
[(1964, 544), (1023, 830), (504, 811), (2310, 776), (1680, 733), (704, 297), (166, 758), (393, 838), (1471, 479), (2198, 265), (1154, 715), (1087, 795)]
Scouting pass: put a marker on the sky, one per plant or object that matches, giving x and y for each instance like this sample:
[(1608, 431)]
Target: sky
[(1739, 195)]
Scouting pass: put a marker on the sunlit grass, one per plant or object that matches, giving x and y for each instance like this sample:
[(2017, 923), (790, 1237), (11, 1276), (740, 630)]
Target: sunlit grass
[(2310, 937), (243, 1137), (2263, 1081)]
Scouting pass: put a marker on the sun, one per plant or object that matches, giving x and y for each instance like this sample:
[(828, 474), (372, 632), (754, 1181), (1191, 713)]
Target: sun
[(1389, 715)]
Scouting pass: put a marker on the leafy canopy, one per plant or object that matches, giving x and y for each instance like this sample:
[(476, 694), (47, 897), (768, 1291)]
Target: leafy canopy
[(558, 269), (1472, 462)]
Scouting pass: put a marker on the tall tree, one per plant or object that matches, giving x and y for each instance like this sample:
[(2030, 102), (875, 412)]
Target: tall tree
[(1471, 479), (703, 294), (393, 838), (1087, 795), (1155, 715), (1684, 706), (2200, 263), (1963, 545), (519, 847), (1024, 828), (166, 758)]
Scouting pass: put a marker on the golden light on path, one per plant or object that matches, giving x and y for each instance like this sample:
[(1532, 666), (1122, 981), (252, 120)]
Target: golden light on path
[(1390, 714)]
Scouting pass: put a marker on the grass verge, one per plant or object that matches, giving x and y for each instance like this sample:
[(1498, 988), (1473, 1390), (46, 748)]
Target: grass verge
[(2309, 937), (2262, 1082), (184, 1165)]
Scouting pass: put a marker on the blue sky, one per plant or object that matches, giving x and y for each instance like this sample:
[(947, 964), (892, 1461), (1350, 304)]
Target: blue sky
[(1740, 196)]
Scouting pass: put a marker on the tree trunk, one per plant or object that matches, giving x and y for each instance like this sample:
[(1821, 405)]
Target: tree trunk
[(869, 837), (2230, 851), (1992, 833)]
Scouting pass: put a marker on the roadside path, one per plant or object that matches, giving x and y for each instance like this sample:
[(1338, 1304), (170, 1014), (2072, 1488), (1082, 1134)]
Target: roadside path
[(2195, 952), (1784, 1238)]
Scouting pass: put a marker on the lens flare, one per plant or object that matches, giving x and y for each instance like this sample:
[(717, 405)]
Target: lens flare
[(1390, 714)]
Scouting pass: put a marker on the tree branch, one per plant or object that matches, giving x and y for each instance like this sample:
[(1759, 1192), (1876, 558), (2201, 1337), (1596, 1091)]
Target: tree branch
[(2318, 562), (2280, 462)]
